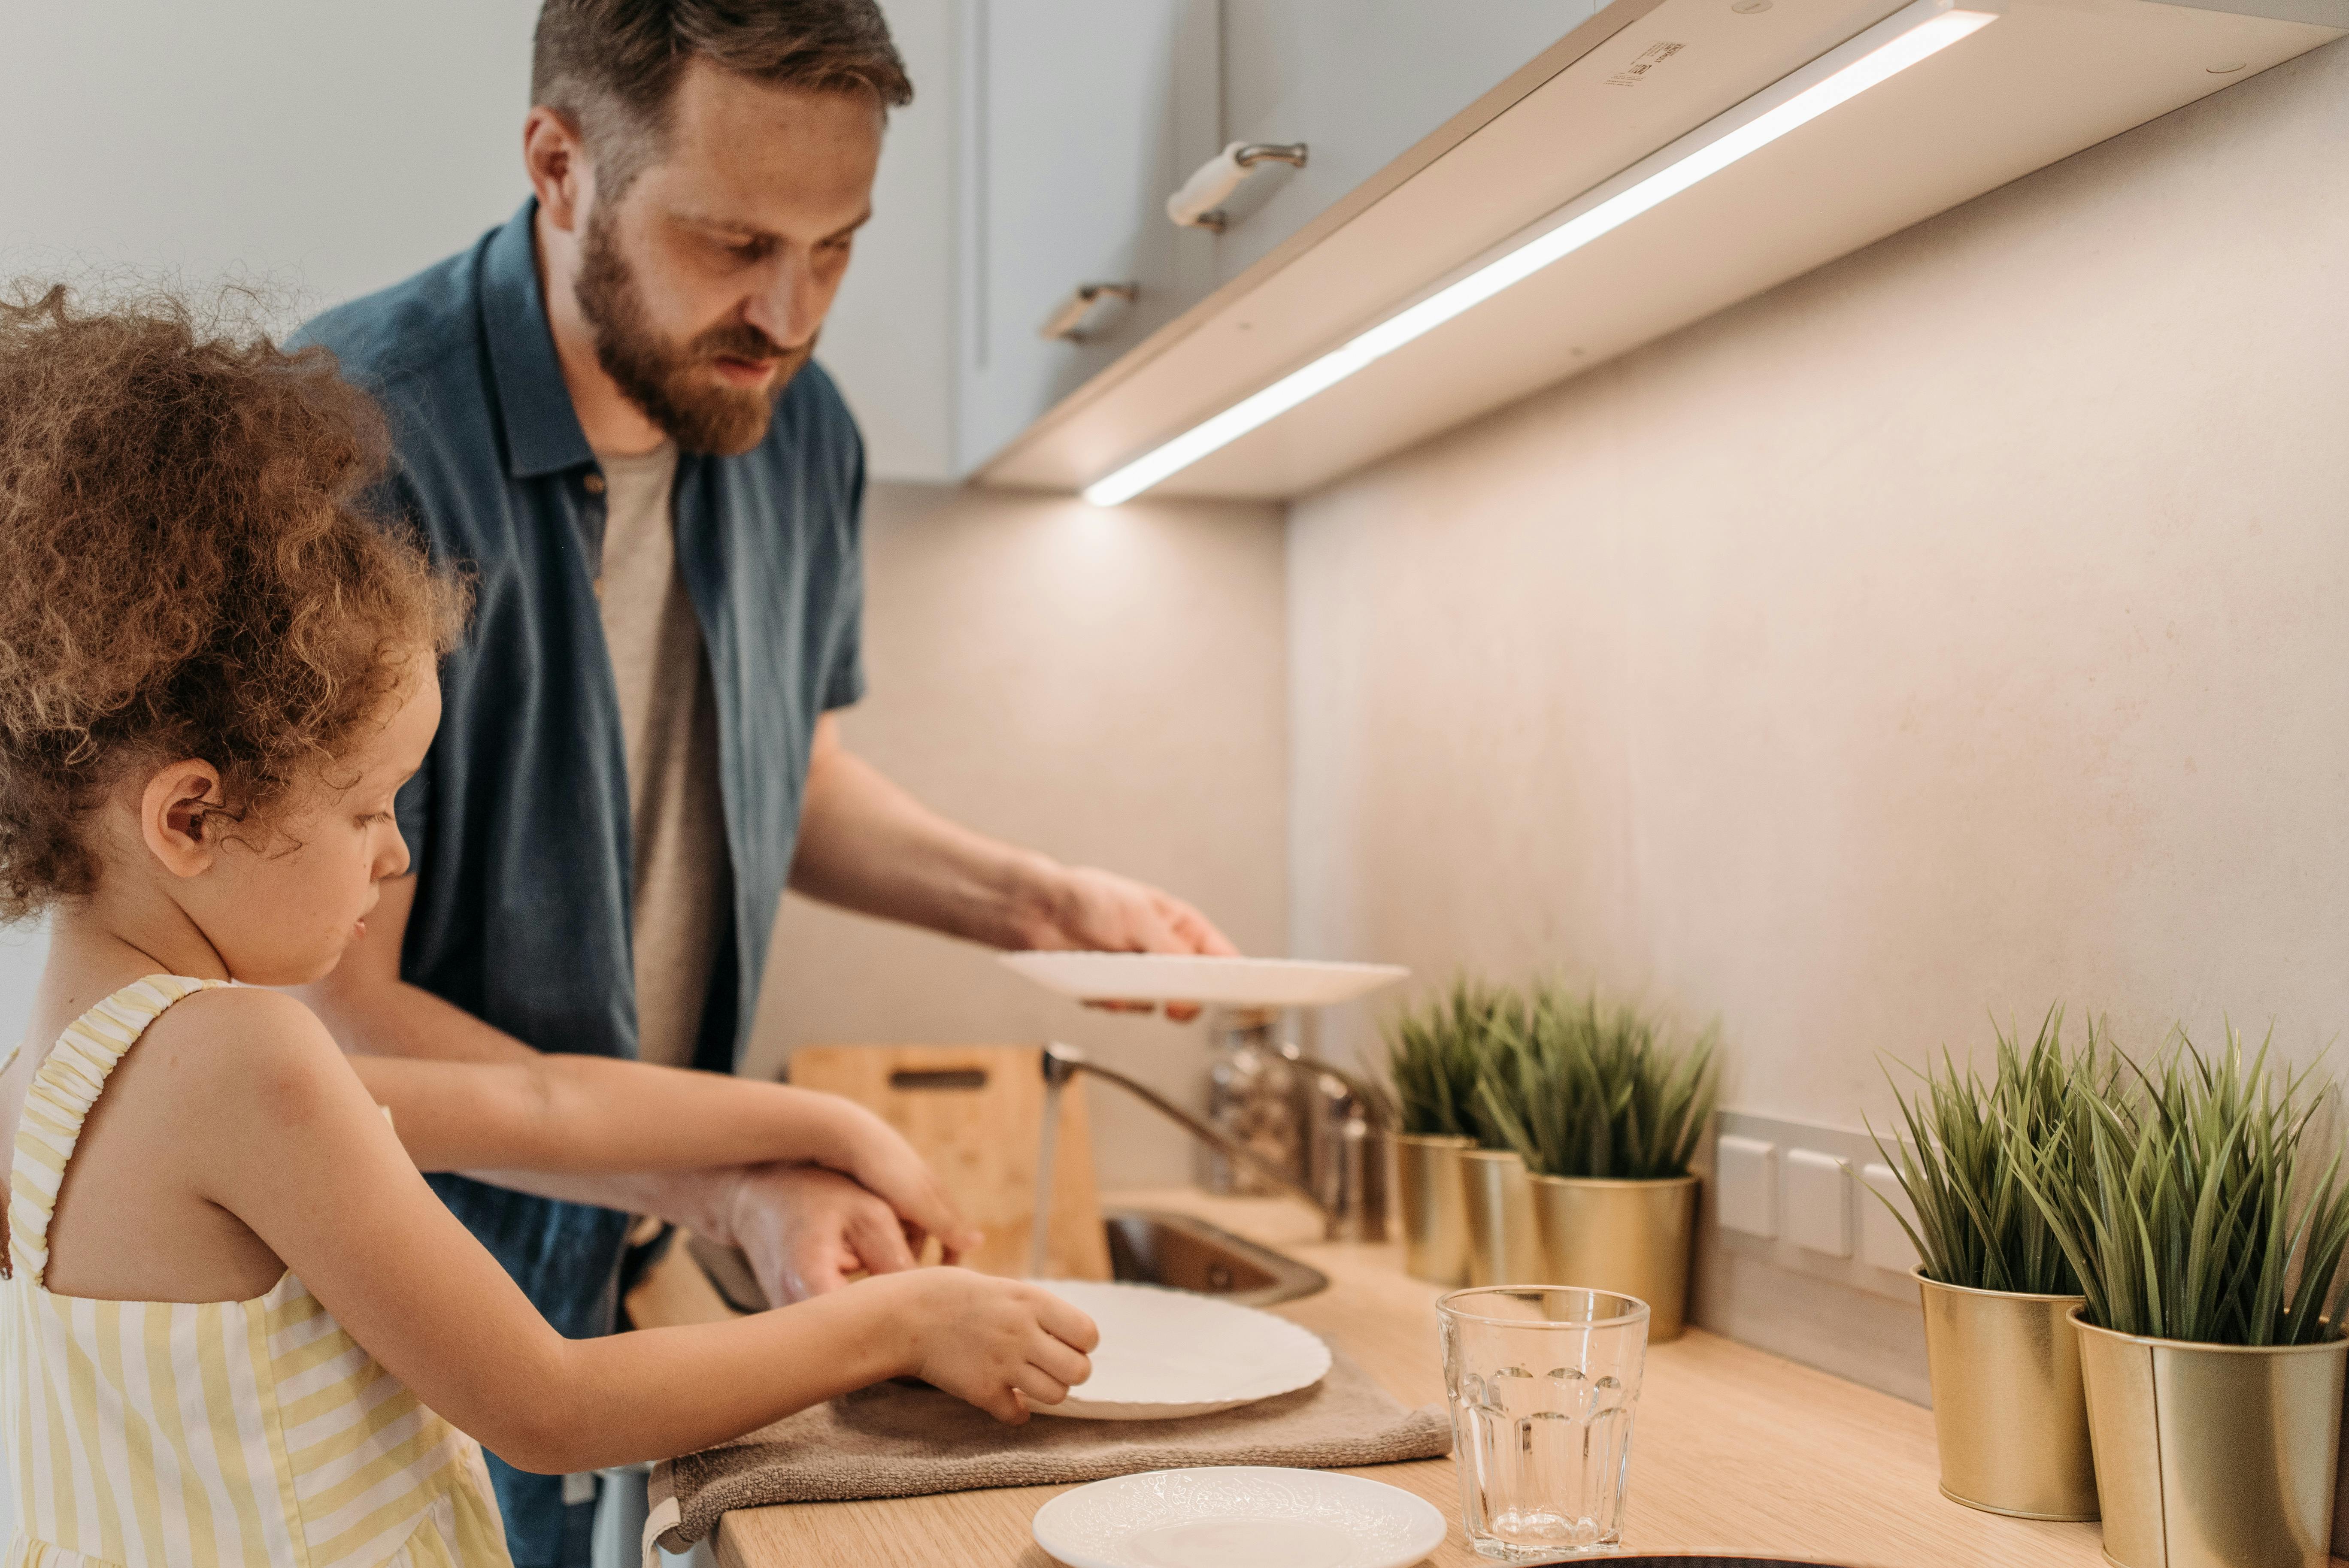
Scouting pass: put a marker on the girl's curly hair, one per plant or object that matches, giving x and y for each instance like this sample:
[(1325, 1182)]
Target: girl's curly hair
[(185, 570)]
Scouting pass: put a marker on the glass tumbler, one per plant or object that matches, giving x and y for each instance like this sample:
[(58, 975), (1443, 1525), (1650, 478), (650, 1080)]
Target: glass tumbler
[(1543, 1382)]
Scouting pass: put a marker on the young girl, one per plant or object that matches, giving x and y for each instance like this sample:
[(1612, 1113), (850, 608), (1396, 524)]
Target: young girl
[(239, 1327)]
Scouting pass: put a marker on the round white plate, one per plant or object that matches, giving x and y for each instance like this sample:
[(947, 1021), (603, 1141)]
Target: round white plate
[(1167, 1353), (1184, 977), (1238, 1516)]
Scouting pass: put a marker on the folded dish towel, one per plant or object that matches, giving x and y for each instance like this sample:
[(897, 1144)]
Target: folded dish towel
[(900, 1440)]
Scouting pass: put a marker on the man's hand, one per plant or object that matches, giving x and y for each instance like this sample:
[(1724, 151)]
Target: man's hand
[(864, 844), (807, 1229), (1088, 910)]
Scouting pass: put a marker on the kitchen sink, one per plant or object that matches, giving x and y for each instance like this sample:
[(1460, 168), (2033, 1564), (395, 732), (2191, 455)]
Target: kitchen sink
[(1151, 1246), (1146, 1246)]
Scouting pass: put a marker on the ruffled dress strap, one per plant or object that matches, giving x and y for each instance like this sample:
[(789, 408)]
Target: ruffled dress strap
[(68, 1084)]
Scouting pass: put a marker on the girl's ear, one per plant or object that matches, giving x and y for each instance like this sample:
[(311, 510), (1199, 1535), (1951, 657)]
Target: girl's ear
[(182, 816)]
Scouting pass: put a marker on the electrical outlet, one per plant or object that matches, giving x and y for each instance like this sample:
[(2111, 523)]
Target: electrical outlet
[(1882, 1242), (1818, 1203), (1745, 1185), (1811, 1177)]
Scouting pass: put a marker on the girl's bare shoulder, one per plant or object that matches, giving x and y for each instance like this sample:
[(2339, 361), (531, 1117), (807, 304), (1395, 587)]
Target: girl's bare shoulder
[(247, 1047)]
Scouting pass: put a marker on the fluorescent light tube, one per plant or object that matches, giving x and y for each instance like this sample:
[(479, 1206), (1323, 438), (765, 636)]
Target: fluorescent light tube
[(1915, 33)]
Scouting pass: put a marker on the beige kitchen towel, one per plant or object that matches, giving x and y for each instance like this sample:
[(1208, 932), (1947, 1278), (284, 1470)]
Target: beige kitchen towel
[(901, 1440)]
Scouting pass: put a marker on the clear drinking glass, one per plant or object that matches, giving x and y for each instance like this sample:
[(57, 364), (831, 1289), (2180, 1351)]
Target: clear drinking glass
[(1543, 1381)]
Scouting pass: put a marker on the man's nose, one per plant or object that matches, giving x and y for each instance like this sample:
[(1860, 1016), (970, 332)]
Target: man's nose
[(790, 307)]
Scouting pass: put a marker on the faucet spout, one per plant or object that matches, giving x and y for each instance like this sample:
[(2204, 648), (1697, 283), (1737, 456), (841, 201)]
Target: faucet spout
[(1062, 1063)]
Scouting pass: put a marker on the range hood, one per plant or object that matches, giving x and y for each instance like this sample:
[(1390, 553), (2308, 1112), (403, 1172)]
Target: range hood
[(1341, 335)]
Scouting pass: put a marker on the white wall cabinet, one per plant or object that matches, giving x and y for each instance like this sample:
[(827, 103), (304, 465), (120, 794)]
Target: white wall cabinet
[(1037, 156), (1077, 118), (1358, 81)]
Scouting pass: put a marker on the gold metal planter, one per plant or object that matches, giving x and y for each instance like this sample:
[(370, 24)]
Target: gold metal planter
[(1632, 1237), (2213, 1456), (1435, 1206), (2008, 1413), (1504, 1248)]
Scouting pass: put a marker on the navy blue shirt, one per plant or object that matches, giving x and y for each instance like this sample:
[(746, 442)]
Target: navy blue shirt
[(518, 821)]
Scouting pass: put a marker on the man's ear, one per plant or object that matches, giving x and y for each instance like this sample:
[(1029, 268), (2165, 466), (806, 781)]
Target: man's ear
[(555, 158), (181, 818)]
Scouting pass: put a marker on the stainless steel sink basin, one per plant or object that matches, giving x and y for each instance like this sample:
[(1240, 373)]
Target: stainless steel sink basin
[(1151, 1246), (1146, 1246)]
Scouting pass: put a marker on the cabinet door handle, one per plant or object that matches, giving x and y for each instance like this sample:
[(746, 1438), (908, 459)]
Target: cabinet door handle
[(1199, 204), (1067, 324)]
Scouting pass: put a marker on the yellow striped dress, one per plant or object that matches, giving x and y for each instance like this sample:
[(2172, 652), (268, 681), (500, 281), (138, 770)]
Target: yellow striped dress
[(142, 1434)]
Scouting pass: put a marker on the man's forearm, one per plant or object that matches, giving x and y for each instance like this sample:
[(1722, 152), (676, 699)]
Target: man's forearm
[(390, 1017), (867, 845)]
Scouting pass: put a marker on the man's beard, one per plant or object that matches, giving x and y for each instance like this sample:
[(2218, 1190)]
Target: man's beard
[(671, 384)]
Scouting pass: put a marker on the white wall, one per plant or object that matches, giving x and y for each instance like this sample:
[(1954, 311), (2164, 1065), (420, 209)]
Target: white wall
[(1103, 686), (319, 148), (324, 148), (1958, 628)]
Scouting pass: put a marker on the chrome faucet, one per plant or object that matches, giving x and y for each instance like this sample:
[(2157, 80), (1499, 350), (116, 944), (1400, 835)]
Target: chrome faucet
[(1355, 1207)]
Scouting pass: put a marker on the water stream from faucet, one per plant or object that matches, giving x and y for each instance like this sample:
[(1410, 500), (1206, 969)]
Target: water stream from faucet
[(1047, 1146)]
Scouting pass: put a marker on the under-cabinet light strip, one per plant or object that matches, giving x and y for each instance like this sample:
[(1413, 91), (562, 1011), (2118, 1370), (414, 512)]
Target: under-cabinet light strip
[(1915, 33)]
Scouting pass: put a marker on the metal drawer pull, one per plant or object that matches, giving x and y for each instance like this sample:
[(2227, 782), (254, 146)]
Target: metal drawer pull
[(1200, 203), (1067, 323)]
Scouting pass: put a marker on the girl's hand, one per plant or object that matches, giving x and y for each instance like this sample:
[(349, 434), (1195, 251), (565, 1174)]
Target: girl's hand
[(1003, 1344), (871, 1151)]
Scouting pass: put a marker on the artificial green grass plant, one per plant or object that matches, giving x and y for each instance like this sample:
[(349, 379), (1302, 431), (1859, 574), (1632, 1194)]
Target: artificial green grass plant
[(1961, 1150), (1435, 1054), (2196, 1211), (1578, 1091)]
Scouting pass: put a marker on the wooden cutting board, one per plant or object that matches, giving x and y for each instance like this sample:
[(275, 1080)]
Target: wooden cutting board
[(973, 1113)]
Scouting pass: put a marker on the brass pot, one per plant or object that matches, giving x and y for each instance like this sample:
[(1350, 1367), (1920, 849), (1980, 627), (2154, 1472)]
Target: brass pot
[(1629, 1237), (1504, 1248), (2008, 1413), (2213, 1456), (1435, 1206)]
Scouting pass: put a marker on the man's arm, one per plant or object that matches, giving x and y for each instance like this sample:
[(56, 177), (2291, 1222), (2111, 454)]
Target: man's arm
[(804, 1229), (867, 845)]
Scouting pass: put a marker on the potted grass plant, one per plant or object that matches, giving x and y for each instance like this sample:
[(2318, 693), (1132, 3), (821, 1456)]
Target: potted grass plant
[(1605, 1118), (1435, 1053), (2009, 1416), (2206, 1220)]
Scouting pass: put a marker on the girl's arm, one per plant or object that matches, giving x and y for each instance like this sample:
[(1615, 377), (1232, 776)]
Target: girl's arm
[(295, 1147), (579, 1114)]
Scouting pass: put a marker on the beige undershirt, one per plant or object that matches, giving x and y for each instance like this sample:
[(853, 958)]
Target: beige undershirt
[(668, 717)]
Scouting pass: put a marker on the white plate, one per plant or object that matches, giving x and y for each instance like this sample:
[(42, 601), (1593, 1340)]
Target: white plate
[(1238, 1516), (1167, 1353), (1184, 977)]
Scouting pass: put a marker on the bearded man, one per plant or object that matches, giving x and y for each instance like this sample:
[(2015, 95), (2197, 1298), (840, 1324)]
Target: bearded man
[(605, 413)]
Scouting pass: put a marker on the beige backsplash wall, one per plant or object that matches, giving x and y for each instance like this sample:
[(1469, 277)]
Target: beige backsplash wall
[(1960, 627), (1104, 686)]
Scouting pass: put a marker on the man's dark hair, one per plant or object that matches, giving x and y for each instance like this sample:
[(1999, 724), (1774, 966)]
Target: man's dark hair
[(611, 66)]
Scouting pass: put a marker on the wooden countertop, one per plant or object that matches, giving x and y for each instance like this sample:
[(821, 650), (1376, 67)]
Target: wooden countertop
[(1735, 1450)]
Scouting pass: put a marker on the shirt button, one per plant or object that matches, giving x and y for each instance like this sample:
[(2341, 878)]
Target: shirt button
[(594, 483)]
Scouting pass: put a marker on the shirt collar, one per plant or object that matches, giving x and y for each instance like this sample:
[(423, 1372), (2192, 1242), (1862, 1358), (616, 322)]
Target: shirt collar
[(541, 430)]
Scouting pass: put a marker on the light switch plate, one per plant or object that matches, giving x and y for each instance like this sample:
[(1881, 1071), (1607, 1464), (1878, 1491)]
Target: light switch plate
[(1742, 1133), (1882, 1242), (1745, 1185), (1818, 1203)]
